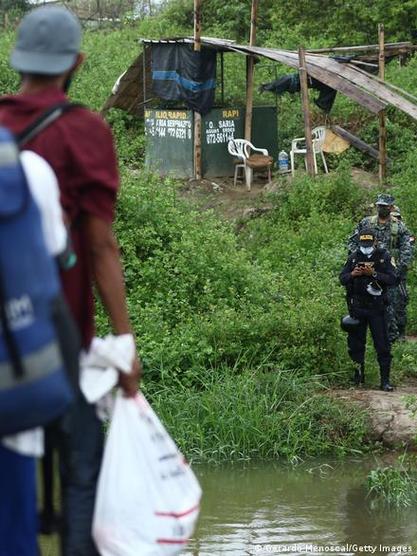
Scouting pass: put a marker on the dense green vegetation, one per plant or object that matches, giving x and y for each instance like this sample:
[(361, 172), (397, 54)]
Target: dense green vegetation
[(241, 330)]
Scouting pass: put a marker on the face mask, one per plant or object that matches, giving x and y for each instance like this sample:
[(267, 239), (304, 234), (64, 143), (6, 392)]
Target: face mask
[(367, 250), (383, 211)]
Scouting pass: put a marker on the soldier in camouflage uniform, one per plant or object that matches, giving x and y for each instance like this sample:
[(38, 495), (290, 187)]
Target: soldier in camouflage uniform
[(392, 235), (401, 301)]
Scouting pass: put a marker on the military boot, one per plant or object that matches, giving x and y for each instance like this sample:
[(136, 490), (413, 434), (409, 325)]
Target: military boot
[(359, 375), (385, 383)]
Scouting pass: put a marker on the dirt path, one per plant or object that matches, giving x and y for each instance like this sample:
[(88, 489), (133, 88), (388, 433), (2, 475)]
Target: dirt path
[(390, 421), (228, 201), (236, 203)]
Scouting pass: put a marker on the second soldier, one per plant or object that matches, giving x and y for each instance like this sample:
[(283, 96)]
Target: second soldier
[(391, 234)]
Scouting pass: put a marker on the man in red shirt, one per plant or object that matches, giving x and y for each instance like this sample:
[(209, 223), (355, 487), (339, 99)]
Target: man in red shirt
[(79, 147)]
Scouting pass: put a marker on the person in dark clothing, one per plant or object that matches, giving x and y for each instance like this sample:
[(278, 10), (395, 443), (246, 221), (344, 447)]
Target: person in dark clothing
[(366, 275)]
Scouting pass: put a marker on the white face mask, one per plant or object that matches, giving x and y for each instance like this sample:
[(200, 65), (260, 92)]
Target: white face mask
[(367, 250)]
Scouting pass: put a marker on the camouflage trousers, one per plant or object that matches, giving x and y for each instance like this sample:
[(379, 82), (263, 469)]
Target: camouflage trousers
[(397, 311)]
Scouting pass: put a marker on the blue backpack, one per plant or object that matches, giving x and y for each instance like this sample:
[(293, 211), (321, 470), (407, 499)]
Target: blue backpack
[(34, 388)]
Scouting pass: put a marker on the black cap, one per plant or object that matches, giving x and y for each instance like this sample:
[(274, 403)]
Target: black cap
[(366, 237)]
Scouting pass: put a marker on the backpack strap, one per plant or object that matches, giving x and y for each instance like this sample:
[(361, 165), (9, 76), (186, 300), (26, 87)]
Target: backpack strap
[(48, 117), (394, 225), (43, 121)]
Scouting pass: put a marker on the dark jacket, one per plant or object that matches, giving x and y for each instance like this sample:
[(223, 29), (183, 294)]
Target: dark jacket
[(356, 288)]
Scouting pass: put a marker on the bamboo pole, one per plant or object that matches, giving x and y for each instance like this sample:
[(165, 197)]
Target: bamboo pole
[(306, 111), (250, 67), (197, 115), (382, 167)]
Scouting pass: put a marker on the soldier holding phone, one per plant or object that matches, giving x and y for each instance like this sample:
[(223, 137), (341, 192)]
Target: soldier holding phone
[(366, 275)]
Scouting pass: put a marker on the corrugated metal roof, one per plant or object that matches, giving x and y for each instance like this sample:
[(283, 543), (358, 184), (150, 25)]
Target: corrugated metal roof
[(363, 88)]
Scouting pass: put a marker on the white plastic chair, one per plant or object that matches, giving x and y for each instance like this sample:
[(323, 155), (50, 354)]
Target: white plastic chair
[(241, 149), (298, 146)]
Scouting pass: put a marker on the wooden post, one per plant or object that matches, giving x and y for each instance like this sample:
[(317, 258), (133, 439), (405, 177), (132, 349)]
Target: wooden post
[(6, 21), (250, 66), (382, 167), (306, 111), (222, 74), (197, 115), (144, 72)]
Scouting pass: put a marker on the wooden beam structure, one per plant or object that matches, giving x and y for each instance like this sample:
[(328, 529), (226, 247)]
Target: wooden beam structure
[(306, 112), (197, 115), (382, 167), (363, 48), (358, 143), (250, 68), (367, 90), (368, 83), (330, 78), (144, 72)]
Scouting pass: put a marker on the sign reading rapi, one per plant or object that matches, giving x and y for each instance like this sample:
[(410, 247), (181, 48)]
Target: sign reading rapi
[(222, 130)]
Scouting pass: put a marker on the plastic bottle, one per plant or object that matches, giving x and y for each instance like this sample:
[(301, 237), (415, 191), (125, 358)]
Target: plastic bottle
[(283, 162)]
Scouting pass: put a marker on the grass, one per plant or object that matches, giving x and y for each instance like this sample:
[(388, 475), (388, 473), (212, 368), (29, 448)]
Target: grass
[(394, 485), (258, 415)]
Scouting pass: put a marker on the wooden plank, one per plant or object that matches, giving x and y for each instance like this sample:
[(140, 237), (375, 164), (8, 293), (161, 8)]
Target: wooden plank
[(357, 142), (144, 72), (382, 168), (395, 88), (389, 53), (359, 48), (250, 68), (367, 82), (306, 112)]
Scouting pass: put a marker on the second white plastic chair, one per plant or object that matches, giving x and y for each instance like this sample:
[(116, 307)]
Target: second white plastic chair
[(298, 146)]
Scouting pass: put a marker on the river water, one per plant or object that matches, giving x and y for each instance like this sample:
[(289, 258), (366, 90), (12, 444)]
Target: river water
[(315, 508)]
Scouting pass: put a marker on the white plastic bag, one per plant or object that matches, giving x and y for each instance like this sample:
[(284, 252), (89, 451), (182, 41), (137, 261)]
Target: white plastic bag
[(148, 498)]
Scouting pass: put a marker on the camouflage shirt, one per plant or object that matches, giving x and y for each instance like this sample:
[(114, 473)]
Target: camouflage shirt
[(393, 236)]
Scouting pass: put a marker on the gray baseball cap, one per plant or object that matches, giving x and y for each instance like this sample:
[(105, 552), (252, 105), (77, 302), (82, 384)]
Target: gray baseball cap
[(48, 41)]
